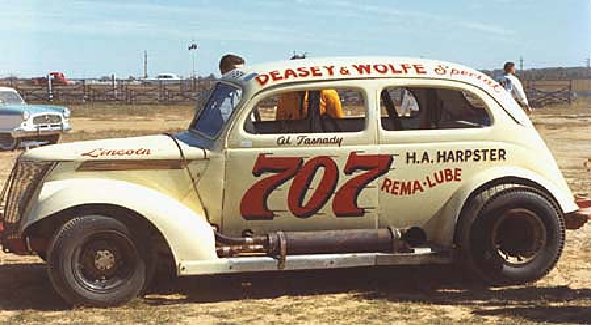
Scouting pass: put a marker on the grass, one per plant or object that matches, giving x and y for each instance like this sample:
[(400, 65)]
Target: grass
[(400, 295)]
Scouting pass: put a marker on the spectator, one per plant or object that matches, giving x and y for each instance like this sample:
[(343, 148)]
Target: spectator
[(229, 62), (293, 105), (512, 85)]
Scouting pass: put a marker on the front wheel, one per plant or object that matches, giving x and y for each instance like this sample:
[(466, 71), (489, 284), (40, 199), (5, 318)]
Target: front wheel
[(511, 236), (94, 261)]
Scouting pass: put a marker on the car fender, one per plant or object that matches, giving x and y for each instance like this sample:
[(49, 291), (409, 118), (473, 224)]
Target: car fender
[(441, 226), (187, 232)]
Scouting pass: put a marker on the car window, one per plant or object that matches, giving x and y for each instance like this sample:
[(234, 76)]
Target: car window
[(10, 97), (217, 111), (418, 108), (309, 111)]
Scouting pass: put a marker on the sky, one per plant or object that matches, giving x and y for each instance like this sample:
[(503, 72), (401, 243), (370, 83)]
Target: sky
[(87, 39)]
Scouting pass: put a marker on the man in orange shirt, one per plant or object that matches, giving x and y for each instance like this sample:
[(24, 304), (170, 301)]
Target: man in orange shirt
[(294, 105)]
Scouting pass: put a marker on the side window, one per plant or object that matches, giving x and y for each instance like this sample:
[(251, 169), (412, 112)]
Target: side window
[(418, 108), (309, 111)]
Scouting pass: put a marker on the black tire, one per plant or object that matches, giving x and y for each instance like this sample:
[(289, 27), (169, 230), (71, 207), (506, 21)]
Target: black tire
[(510, 234), (94, 261)]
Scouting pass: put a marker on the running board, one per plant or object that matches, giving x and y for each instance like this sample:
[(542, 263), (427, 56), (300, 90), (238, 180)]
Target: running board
[(310, 261)]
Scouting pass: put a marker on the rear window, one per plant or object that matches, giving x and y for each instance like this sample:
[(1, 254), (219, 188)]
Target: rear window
[(418, 108)]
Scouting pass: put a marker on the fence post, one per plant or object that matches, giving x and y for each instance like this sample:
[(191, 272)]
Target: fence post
[(50, 95)]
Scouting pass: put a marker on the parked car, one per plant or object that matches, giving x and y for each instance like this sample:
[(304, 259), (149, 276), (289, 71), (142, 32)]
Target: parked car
[(334, 184), (20, 122), (165, 78)]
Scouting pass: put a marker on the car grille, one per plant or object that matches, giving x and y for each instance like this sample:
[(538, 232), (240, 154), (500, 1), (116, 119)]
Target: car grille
[(47, 120), (22, 183)]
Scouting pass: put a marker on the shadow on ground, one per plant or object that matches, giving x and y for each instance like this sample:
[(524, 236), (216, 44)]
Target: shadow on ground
[(26, 286)]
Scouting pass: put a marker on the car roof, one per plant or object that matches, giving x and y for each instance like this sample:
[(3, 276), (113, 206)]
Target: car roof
[(258, 77), (7, 89), (313, 69)]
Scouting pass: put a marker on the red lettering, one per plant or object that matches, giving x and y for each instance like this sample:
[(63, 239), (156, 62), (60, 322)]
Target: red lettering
[(303, 72), (386, 184), (254, 204), (393, 70), (448, 175), (381, 69), (405, 68), (457, 175), (262, 79), (330, 70), (406, 188), (344, 203), (316, 72), (289, 73), (417, 187), (276, 76), (395, 188), (362, 69), (420, 69), (302, 182)]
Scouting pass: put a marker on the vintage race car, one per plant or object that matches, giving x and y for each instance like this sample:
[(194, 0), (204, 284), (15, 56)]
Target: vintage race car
[(20, 122), (304, 164)]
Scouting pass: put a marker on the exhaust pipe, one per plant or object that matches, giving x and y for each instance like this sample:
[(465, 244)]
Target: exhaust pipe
[(388, 240)]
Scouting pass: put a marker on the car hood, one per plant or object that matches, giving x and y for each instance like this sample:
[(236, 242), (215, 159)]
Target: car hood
[(131, 148), (31, 108)]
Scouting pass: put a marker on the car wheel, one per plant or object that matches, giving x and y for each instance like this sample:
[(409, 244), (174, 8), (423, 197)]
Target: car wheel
[(94, 260), (7, 142), (511, 235)]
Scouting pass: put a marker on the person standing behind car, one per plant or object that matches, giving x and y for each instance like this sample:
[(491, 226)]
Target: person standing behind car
[(229, 62), (511, 84)]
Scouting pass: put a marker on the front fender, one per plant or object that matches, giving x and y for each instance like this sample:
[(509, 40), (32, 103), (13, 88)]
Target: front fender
[(188, 233), (443, 224)]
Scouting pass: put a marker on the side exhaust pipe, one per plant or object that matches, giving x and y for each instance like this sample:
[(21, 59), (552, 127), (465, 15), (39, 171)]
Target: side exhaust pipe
[(387, 240)]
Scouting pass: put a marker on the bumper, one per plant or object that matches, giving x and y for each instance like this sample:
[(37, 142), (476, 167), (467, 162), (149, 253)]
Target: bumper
[(40, 131), (576, 219)]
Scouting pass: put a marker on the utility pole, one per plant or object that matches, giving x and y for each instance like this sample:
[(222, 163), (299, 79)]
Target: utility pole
[(145, 65), (588, 62), (521, 63)]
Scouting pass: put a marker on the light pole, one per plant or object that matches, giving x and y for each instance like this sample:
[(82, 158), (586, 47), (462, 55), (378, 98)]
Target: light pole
[(194, 47)]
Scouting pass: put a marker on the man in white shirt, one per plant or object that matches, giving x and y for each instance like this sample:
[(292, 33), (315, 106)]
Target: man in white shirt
[(512, 85)]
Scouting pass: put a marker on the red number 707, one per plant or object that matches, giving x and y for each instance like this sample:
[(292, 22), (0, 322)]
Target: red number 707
[(254, 202)]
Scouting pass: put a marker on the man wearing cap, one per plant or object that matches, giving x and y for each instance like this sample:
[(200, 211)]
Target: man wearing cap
[(511, 84)]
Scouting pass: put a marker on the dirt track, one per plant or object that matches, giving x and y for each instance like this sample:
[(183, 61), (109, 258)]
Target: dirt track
[(413, 295)]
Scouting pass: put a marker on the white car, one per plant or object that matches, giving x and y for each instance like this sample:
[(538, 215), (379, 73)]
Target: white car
[(164, 77), (21, 122)]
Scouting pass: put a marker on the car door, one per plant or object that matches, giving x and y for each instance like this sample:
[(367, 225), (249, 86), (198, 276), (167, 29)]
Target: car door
[(439, 143), (297, 175)]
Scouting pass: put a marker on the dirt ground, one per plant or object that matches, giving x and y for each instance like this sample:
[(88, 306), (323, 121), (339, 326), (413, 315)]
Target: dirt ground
[(409, 295)]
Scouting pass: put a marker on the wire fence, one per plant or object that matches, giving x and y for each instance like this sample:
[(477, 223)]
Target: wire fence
[(539, 93)]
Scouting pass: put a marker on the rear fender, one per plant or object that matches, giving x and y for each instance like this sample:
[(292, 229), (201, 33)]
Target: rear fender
[(441, 227)]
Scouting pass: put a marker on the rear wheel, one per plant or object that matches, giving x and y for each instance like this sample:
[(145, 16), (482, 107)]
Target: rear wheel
[(7, 142), (511, 235), (94, 260)]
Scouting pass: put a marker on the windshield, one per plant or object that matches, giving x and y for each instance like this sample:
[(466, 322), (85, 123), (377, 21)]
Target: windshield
[(221, 104), (10, 97)]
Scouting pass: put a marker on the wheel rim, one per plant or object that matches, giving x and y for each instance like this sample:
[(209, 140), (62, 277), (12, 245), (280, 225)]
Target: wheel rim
[(518, 236), (104, 262)]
